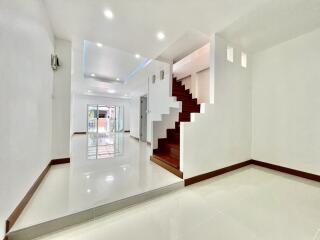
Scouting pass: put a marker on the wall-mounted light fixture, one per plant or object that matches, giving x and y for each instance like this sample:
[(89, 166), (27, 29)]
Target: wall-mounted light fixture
[(161, 74), (54, 62)]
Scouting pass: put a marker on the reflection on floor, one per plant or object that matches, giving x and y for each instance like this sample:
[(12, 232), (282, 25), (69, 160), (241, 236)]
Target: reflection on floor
[(251, 203), (103, 169), (105, 146)]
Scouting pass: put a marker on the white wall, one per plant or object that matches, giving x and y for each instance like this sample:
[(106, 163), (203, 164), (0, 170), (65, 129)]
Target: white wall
[(159, 97), (286, 104), (222, 136), (26, 82), (61, 101), (79, 110), (135, 117), (199, 85), (194, 72)]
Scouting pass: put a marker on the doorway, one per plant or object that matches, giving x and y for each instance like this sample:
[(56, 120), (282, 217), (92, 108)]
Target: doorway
[(143, 118), (104, 119)]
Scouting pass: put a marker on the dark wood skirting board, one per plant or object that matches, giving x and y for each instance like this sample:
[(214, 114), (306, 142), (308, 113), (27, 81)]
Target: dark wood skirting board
[(135, 138), (278, 168), (23, 203), (215, 173), (77, 133), (290, 171), (167, 167), (59, 161)]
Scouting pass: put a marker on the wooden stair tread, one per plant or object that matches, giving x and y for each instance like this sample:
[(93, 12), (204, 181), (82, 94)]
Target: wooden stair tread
[(174, 162), (168, 153)]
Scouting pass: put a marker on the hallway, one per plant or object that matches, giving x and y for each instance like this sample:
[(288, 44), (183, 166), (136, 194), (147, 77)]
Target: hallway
[(251, 203), (103, 169), (161, 120)]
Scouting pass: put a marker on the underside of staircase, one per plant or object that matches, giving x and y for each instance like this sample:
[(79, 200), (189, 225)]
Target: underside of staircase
[(167, 154)]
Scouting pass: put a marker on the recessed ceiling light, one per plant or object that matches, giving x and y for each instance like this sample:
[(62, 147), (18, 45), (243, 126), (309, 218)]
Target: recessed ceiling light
[(108, 14), (88, 190), (111, 91), (109, 178), (137, 56), (99, 44), (89, 91), (118, 79), (161, 36), (92, 75)]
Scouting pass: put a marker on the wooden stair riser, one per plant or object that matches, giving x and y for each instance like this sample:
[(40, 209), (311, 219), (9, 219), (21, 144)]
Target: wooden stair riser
[(187, 99), (180, 90), (173, 135), (168, 151), (191, 108), (184, 117)]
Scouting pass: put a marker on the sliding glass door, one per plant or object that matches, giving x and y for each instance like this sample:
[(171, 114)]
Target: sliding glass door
[(92, 118), (105, 119)]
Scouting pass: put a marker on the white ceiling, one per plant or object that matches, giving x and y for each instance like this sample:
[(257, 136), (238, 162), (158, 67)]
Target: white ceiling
[(184, 45), (136, 22), (254, 24), (109, 64), (274, 22)]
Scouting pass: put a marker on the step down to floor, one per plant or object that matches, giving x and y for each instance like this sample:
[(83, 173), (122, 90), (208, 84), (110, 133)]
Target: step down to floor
[(40, 229), (160, 161)]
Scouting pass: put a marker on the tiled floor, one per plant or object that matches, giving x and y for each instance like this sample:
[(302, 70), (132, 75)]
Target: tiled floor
[(103, 169), (250, 203)]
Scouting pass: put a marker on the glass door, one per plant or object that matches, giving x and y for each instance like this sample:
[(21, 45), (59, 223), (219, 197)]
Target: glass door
[(119, 119), (105, 119), (92, 118), (102, 118), (111, 119)]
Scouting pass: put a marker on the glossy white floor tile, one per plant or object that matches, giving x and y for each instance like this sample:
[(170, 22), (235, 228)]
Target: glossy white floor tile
[(103, 169), (250, 203)]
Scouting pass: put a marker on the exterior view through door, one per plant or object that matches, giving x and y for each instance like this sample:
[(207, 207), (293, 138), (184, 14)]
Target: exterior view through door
[(104, 119)]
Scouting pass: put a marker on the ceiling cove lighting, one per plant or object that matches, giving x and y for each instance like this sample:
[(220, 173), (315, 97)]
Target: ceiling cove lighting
[(161, 35), (137, 56), (108, 14), (99, 45)]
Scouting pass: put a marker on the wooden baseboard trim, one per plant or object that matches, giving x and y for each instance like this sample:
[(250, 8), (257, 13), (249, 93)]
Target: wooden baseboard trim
[(135, 138), (23, 203), (59, 161), (294, 172), (290, 171), (18, 210), (215, 173), (167, 167), (77, 133)]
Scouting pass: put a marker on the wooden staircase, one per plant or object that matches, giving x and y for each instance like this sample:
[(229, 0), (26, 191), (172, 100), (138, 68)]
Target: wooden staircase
[(167, 154)]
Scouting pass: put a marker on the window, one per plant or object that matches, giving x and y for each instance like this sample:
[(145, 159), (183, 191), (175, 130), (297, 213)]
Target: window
[(243, 60), (230, 54)]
